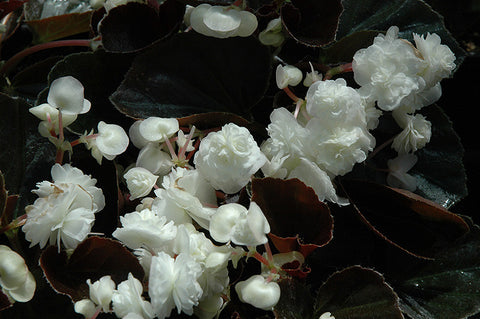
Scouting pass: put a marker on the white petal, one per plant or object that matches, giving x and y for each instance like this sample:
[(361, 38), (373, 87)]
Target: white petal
[(156, 129), (112, 139), (259, 293), (66, 94)]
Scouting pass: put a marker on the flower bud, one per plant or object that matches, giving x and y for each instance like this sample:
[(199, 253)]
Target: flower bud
[(259, 293), (288, 75), (101, 291), (139, 181), (85, 307)]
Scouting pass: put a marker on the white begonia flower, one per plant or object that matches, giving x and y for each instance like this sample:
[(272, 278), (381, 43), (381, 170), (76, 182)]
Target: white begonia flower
[(314, 177), (166, 206), (101, 291), (157, 129), (333, 103), (189, 191), (128, 299), (65, 210), (49, 118), (111, 140), (140, 182), (213, 259), (272, 35), (326, 315), (132, 315), (312, 77), (287, 137), (399, 167), (173, 283), (233, 222), (209, 307), (135, 137), (274, 167), (228, 158), (288, 75), (372, 113), (439, 60), (16, 281), (145, 203), (387, 71), (259, 293), (222, 21), (66, 94), (153, 158), (416, 133), (145, 229), (85, 307), (182, 140), (337, 150)]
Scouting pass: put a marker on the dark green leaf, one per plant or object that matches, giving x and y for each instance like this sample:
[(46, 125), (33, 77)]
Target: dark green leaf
[(296, 301), (298, 220), (404, 219), (93, 258), (409, 15), (29, 82), (447, 288), (357, 293), (439, 171), (145, 25), (344, 49), (191, 73), (3, 201), (312, 22)]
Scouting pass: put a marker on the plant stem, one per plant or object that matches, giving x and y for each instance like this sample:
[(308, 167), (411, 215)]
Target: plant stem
[(14, 60), (343, 68), (291, 94)]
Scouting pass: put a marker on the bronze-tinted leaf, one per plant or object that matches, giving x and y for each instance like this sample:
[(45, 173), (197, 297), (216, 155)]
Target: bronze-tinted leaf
[(298, 220), (404, 219), (357, 293), (93, 258), (61, 26), (312, 22)]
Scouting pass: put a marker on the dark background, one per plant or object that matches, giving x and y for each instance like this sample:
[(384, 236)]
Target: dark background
[(461, 93)]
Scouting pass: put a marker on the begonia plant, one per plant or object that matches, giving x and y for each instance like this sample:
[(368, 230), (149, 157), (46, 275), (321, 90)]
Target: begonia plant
[(232, 159)]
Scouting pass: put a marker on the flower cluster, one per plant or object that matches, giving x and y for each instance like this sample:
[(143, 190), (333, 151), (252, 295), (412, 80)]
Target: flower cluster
[(65, 210), (191, 216)]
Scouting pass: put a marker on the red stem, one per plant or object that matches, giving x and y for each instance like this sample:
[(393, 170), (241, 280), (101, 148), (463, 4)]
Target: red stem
[(14, 60)]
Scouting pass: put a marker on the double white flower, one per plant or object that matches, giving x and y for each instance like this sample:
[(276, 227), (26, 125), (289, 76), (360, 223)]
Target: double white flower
[(65, 210), (228, 158)]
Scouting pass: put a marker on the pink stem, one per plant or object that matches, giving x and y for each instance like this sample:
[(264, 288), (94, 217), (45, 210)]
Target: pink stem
[(343, 68), (291, 94)]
